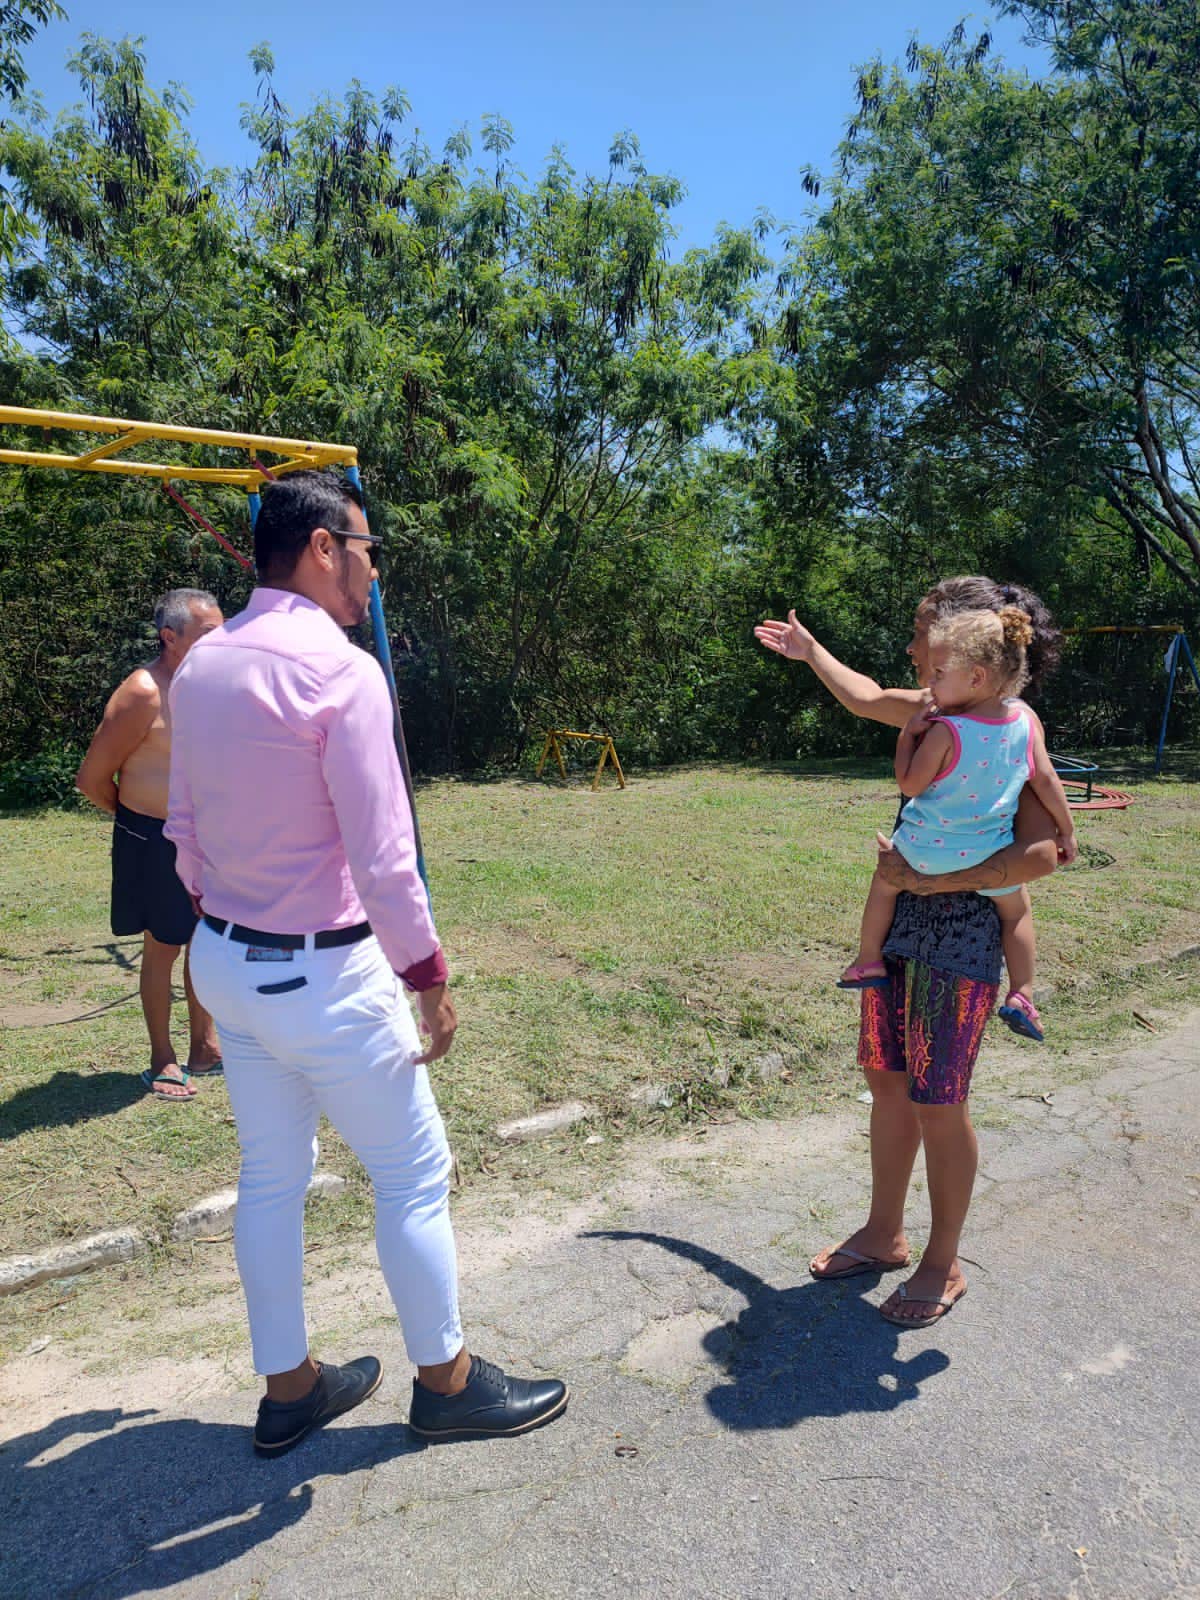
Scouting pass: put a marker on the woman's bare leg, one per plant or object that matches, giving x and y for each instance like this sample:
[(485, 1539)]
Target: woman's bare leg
[(951, 1161), (895, 1138)]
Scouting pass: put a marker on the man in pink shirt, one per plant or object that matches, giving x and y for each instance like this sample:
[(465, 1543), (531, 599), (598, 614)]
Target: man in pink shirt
[(295, 838)]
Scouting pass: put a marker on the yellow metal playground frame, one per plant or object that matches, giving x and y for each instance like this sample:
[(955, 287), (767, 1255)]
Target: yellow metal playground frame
[(553, 747), (293, 455), (106, 457)]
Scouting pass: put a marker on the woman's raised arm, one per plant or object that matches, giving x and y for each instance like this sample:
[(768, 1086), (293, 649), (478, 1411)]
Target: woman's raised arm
[(858, 693)]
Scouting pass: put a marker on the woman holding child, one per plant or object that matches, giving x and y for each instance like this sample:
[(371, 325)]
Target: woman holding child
[(930, 985)]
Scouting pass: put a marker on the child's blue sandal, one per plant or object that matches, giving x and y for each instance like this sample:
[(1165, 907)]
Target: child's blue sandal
[(870, 975), (1021, 1015)]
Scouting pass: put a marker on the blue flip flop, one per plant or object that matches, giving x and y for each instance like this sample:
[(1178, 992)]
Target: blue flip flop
[(151, 1078)]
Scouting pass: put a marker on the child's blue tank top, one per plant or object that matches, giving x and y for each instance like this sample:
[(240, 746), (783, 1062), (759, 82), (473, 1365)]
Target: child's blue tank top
[(967, 812)]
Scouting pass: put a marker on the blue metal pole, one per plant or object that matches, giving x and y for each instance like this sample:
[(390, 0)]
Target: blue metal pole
[(1175, 645), (1170, 695), (255, 507), (1191, 660), (1184, 649), (384, 651)]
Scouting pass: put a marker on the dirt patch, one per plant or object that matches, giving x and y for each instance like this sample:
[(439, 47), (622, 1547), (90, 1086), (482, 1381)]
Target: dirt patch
[(769, 972), (95, 1342), (672, 1349), (80, 978), (156, 1334), (57, 1014), (515, 952)]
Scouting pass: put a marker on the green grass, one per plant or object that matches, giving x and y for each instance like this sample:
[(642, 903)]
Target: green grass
[(673, 933)]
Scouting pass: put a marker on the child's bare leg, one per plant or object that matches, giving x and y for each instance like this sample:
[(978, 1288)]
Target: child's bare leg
[(1018, 939), (878, 913), (1020, 952)]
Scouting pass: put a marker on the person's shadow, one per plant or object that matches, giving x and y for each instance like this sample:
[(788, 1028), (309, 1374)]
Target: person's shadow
[(137, 1505), (68, 1098), (125, 954), (812, 1350)]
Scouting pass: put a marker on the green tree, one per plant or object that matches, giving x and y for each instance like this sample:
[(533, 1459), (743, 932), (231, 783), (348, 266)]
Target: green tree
[(521, 364), (19, 22), (528, 377), (1002, 301), (117, 287)]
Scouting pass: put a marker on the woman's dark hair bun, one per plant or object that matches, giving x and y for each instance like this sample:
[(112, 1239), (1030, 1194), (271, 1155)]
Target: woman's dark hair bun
[(977, 593)]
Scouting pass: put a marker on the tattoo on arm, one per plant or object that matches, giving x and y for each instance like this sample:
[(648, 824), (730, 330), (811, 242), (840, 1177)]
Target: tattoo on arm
[(989, 874)]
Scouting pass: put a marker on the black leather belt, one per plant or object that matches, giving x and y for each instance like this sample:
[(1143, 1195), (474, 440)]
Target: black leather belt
[(328, 939)]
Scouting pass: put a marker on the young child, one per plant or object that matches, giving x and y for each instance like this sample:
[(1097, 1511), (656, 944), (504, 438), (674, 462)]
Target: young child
[(963, 762)]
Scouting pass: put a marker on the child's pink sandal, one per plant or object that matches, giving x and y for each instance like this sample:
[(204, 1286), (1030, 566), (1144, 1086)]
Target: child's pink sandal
[(867, 975), (1021, 1015)]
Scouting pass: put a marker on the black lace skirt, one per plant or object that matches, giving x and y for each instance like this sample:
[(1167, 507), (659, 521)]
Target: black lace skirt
[(953, 932)]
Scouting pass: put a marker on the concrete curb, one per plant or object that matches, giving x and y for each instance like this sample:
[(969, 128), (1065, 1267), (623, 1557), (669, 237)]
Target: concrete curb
[(652, 1096), (543, 1123), (213, 1214), (61, 1261), (216, 1212)]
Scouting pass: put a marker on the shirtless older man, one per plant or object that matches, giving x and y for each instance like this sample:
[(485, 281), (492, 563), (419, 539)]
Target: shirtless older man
[(125, 773)]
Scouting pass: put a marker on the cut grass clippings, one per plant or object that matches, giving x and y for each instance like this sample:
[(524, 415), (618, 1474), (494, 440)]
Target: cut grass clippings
[(677, 933)]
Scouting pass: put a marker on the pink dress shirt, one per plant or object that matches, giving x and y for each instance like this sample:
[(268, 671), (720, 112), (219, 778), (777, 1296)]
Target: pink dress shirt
[(286, 804)]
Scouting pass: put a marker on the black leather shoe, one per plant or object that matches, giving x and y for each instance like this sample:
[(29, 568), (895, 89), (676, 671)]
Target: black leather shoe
[(493, 1405), (281, 1427)]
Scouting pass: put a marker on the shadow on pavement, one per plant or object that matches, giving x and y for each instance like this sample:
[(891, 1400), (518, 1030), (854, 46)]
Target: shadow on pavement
[(813, 1350), (134, 1505)]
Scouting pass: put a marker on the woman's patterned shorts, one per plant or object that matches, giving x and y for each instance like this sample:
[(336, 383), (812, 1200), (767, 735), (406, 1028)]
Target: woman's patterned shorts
[(929, 1024)]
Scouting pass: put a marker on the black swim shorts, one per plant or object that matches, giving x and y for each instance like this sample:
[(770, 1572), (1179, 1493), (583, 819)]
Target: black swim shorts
[(146, 890)]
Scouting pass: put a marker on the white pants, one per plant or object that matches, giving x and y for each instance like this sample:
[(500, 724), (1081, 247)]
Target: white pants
[(331, 1031)]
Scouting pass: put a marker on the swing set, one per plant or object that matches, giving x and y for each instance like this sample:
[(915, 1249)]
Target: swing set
[(1178, 653), (553, 747), (119, 436)]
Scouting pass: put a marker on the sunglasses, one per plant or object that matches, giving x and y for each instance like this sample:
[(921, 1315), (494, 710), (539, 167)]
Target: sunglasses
[(374, 545), (373, 539)]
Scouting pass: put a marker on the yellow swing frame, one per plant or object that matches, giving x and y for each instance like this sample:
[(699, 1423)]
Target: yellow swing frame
[(553, 747), (292, 455), (124, 434)]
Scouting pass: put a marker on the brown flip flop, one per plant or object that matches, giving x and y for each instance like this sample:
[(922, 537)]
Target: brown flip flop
[(946, 1301), (863, 1264)]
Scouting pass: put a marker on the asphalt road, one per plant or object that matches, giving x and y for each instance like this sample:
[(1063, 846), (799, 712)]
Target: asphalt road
[(735, 1429)]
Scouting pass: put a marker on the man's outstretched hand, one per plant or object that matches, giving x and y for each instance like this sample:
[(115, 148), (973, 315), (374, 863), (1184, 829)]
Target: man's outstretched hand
[(438, 1019)]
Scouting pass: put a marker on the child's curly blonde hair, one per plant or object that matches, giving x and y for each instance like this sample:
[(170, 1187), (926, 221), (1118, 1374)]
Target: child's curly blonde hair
[(994, 640)]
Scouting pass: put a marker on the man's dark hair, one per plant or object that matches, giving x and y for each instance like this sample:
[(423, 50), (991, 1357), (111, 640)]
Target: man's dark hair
[(291, 509)]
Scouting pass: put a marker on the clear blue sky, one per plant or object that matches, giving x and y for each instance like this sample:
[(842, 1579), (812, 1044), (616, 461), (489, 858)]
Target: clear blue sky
[(733, 99)]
